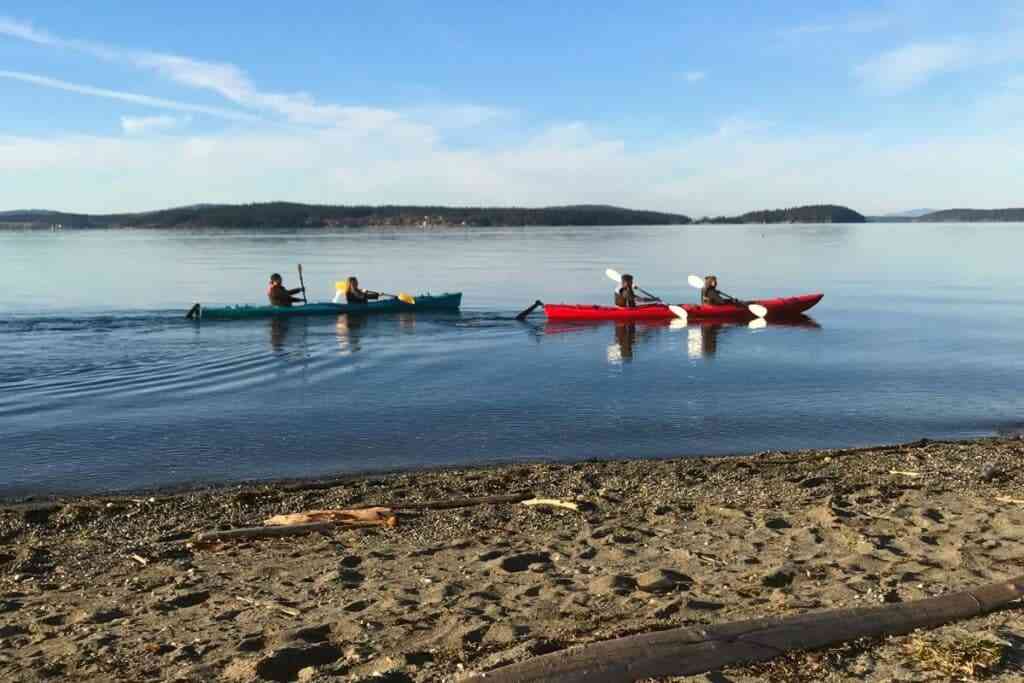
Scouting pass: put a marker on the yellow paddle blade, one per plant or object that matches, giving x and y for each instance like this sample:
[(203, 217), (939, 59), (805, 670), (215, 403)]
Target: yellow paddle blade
[(406, 298), (341, 286)]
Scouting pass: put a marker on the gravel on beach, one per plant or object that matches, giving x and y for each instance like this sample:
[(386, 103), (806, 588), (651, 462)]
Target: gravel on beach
[(107, 587)]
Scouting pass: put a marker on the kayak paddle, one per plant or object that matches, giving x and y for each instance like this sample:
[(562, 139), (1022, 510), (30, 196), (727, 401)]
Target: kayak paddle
[(679, 312), (401, 296), (757, 324), (303, 285), (528, 311), (697, 282), (342, 288)]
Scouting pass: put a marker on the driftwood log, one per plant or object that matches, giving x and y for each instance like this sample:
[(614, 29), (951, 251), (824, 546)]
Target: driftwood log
[(686, 651), (381, 516)]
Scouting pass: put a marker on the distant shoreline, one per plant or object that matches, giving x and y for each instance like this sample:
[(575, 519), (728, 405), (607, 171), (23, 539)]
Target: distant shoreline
[(285, 215)]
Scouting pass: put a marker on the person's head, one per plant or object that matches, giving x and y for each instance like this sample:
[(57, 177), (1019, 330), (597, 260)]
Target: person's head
[(275, 279), (627, 280), (711, 281), (353, 282)]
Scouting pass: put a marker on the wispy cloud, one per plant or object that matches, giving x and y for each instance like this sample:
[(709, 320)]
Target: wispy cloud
[(226, 80), (134, 98), (137, 125), (914, 64), (24, 31), (694, 76), (854, 23)]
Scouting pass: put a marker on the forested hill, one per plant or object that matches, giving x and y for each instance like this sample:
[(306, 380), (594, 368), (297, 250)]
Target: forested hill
[(973, 216), (289, 215), (818, 213)]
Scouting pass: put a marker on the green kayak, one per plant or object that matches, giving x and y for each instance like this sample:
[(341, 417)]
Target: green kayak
[(424, 302)]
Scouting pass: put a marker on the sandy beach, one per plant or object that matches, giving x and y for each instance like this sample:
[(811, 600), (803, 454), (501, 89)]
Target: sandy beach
[(109, 587)]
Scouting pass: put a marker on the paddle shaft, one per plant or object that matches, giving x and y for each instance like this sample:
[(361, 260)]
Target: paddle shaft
[(531, 309), (303, 285), (645, 292)]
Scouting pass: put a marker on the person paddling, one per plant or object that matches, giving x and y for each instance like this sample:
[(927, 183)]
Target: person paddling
[(279, 296), (354, 295), (626, 297), (710, 295)]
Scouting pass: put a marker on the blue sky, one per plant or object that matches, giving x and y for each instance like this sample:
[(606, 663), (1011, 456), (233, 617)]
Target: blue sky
[(699, 107)]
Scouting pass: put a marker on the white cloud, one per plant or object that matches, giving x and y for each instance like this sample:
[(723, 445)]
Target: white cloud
[(227, 80), (854, 23), (694, 76), (134, 98), (24, 31), (137, 125), (732, 169), (913, 64)]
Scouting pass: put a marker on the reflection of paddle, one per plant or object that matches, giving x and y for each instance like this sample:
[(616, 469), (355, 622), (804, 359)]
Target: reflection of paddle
[(303, 285), (697, 282), (616, 277)]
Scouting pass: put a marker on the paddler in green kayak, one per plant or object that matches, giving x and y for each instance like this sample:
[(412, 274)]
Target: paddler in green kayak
[(354, 295), (626, 297), (279, 296)]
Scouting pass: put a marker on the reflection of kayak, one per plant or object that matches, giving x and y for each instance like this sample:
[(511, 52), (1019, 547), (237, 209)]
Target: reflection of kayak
[(569, 326), (425, 302), (786, 307)]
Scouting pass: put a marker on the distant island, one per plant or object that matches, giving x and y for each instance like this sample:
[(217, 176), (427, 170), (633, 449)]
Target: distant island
[(294, 215), (973, 216), (817, 213), (291, 215)]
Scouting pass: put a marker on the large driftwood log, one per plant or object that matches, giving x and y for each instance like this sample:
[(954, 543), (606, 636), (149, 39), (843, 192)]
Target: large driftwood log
[(381, 516), (684, 652)]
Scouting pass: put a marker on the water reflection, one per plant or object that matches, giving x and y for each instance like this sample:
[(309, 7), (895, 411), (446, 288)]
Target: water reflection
[(280, 328), (701, 340), (351, 328)]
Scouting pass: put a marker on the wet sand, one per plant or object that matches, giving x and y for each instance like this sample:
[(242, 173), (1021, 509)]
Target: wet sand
[(104, 588)]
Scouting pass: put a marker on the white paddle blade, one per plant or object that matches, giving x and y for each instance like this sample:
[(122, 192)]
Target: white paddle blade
[(679, 312), (613, 275), (758, 310), (677, 324), (696, 281), (757, 324)]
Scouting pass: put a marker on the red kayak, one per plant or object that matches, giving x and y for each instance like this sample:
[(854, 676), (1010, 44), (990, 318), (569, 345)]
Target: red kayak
[(785, 307)]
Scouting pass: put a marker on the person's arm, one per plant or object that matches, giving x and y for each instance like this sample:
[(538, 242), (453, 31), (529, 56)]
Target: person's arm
[(297, 290), (372, 295), (716, 298)]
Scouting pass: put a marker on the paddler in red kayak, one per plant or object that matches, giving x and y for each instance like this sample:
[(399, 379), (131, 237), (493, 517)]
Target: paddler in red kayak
[(710, 295), (626, 297), (354, 295), (279, 296)]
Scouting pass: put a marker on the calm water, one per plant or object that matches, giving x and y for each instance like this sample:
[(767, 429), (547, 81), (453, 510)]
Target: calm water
[(104, 386)]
